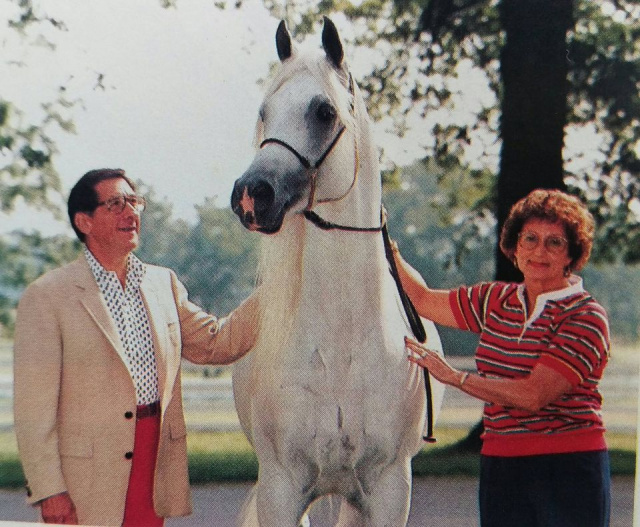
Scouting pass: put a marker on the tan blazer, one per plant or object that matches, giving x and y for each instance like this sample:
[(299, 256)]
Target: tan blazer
[(74, 397)]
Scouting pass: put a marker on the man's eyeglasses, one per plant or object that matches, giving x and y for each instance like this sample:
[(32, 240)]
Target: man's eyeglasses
[(118, 203), (553, 244)]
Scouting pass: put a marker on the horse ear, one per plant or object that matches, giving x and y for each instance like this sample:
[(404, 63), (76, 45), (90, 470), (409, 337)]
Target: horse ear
[(283, 41), (331, 43)]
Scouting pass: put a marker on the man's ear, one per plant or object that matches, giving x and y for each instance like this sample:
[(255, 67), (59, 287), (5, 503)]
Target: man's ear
[(83, 222)]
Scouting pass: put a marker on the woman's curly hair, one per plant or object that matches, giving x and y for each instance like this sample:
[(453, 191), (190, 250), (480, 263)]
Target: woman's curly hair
[(553, 206)]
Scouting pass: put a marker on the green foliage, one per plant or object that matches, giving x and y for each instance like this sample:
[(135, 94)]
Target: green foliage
[(11, 474), (440, 235), (23, 258), (420, 46), (216, 259), (27, 150), (606, 283), (222, 466)]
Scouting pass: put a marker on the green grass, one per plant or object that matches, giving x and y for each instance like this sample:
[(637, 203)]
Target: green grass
[(227, 456)]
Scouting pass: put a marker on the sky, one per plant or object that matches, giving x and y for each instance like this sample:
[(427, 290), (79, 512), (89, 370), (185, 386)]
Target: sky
[(179, 95), (178, 98)]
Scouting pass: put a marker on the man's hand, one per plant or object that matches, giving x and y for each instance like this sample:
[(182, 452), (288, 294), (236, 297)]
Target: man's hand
[(59, 509)]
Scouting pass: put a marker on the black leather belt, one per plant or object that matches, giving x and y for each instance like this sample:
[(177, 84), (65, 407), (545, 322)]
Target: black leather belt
[(147, 410)]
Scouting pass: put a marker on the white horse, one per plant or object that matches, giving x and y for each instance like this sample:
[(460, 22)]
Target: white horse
[(327, 397)]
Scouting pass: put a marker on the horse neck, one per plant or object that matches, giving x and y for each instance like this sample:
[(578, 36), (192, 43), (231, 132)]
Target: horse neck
[(360, 205), (308, 270)]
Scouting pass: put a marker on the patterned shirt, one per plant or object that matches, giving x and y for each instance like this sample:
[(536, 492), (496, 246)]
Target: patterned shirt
[(567, 331), (129, 314)]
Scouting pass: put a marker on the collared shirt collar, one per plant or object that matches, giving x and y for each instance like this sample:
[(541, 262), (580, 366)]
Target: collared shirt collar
[(135, 269), (575, 286)]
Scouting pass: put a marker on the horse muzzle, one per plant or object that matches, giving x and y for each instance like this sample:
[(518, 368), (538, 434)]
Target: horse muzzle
[(267, 190), (254, 204)]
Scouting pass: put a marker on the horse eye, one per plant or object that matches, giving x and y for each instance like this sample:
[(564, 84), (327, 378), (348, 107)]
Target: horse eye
[(326, 113)]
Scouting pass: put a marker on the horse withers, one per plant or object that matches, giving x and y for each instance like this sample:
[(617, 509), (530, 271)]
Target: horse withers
[(327, 397)]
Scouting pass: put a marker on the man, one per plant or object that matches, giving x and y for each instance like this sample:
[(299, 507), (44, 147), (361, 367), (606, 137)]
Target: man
[(98, 343)]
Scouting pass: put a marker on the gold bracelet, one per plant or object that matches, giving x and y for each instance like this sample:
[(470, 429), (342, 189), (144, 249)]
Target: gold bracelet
[(464, 377)]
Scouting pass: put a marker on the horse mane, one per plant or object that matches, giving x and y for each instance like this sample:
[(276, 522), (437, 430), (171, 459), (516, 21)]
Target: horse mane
[(279, 278)]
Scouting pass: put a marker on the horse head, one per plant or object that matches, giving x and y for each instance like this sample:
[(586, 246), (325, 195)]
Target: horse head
[(302, 123)]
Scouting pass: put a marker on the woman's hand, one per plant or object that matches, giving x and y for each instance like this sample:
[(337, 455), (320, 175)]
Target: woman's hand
[(430, 303), (432, 361), (531, 393)]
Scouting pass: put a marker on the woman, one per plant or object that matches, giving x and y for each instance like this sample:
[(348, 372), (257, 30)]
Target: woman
[(543, 347)]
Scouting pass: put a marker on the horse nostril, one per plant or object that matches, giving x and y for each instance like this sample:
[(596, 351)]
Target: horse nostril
[(263, 194), (249, 218)]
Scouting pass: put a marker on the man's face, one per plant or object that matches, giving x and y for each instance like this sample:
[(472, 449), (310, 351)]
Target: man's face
[(111, 233)]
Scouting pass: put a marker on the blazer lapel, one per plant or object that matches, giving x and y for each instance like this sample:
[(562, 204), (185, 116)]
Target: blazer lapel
[(93, 302), (167, 354)]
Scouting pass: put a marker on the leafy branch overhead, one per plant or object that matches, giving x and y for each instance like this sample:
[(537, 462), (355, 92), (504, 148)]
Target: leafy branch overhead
[(425, 49)]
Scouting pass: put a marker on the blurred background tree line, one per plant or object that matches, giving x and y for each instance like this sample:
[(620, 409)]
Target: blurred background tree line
[(556, 69)]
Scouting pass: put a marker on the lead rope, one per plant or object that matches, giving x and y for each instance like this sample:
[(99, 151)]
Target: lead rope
[(415, 323)]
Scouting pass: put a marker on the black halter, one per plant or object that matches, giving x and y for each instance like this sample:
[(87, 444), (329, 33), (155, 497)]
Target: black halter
[(303, 160)]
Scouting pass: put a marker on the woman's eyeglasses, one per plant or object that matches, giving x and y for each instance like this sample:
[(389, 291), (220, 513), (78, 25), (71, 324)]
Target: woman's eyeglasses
[(118, 203), (553, 244)]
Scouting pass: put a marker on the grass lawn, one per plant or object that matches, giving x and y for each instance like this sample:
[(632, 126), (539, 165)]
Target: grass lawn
[(227, 456)]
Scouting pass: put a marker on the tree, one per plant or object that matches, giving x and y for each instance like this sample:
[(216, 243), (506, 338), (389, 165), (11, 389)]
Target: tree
[(27, 168), (536, 60), (534, 70), (589, 56), (24, 258)]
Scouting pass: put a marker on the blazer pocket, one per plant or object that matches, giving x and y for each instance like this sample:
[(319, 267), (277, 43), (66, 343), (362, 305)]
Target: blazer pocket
[(177, 430), (76, 446)]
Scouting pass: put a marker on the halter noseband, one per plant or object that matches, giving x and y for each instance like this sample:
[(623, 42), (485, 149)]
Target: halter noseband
[(303, 160)]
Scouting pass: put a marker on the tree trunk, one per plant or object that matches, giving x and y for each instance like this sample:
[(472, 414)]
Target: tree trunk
[(534, 67)]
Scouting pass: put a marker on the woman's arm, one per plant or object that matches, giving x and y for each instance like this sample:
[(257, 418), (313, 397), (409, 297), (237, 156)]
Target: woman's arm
[(531, 393), (430, 303)]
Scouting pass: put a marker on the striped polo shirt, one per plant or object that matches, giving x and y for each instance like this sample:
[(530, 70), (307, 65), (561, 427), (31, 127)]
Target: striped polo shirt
[(567, 331)]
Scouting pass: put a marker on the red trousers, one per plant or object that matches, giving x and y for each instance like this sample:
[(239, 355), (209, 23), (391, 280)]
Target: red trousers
[(138, 510)]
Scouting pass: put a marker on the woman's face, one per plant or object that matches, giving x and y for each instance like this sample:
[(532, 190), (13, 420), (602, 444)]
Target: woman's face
[(542, 253)]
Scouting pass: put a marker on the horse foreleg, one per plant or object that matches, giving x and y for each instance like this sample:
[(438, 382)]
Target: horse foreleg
[(390, 498), (350, 516), (248, 516), (279, 500)]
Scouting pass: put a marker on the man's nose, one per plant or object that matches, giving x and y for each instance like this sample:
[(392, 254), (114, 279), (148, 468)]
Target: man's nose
[(130, 207)]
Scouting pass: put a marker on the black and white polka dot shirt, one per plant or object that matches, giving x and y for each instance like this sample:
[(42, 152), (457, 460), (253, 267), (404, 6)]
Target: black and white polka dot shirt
[(130, 316)]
